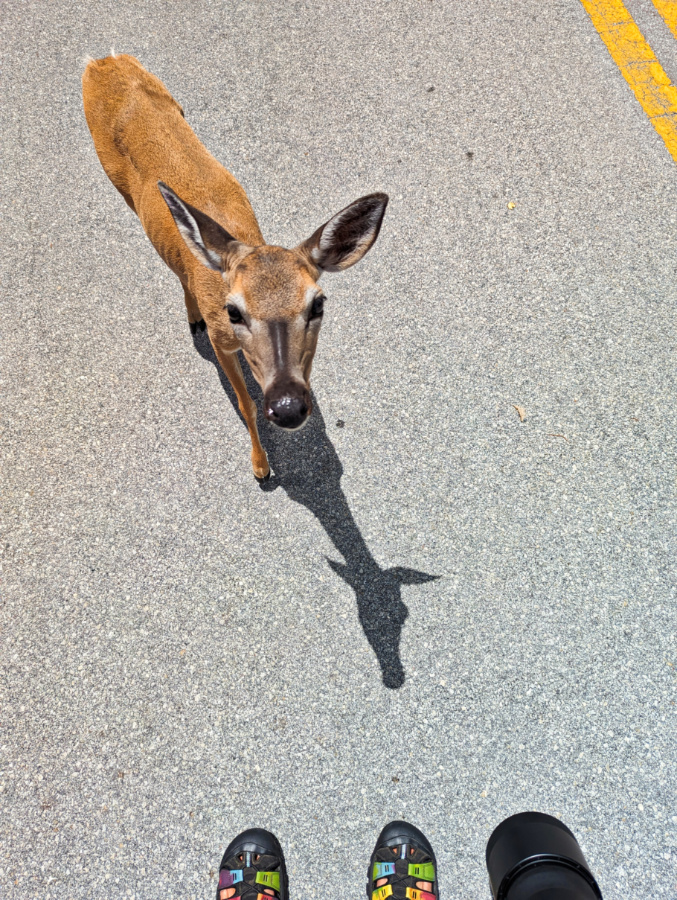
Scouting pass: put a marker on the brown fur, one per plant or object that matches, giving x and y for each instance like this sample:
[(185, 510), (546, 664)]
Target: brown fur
[(142, 139)]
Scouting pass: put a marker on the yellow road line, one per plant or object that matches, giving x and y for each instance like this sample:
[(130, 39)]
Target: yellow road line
[(638, 65), (668, 10)]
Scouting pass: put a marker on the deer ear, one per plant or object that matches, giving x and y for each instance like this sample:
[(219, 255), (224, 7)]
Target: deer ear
[(205, 238), (345, 238)]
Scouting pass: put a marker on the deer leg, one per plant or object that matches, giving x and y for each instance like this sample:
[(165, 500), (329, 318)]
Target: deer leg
[(195, 319), (231, 366)]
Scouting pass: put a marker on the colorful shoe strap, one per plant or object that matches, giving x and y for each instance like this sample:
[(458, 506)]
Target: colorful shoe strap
[(383, 869), (413, 894), (228, 879), (269, 879), (422, 871), (382, 892)]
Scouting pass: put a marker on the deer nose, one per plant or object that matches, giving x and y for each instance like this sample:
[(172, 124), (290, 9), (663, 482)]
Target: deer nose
[(287, 412)]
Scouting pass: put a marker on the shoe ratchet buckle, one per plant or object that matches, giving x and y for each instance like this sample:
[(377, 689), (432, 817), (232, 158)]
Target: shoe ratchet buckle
[(228, 879)]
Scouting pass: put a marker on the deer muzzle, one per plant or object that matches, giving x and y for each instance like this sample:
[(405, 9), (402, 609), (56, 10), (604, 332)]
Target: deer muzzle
[(287, 405)]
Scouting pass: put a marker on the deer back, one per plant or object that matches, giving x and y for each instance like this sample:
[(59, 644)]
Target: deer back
[(141, 137)]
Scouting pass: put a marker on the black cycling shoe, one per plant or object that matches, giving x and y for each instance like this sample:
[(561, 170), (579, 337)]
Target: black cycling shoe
[(253, 864), (404, 858)]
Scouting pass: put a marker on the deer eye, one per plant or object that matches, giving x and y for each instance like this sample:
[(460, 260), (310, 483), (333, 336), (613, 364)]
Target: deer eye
[(317, 308), (234, 314)]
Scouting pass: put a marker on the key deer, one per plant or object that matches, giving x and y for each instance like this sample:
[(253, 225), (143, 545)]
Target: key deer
[(251, 296)]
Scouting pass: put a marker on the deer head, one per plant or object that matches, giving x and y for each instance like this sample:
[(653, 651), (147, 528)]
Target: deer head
[(266, 300)]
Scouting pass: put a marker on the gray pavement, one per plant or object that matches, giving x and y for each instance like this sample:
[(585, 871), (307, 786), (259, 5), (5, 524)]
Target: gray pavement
[(184, 655)]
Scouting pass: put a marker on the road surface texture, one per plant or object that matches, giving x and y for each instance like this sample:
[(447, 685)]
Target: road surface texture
[(435, 611)]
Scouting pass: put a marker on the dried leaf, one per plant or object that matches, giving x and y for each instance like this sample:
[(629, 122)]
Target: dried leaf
[(511, 205), (521, 411)]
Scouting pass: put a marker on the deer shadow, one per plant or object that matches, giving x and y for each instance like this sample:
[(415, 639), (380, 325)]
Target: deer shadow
[(306, 466)]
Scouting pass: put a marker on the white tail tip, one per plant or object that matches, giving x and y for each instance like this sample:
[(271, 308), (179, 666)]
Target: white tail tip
[(86, 60)]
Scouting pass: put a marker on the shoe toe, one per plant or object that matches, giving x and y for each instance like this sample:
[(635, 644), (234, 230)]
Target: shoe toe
[(400, 832), (254, 840)]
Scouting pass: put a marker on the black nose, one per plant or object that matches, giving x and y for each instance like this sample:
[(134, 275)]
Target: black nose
[(287, 412)]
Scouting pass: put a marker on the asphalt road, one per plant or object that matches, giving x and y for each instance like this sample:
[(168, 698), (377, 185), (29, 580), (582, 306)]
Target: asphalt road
[(436, 611)]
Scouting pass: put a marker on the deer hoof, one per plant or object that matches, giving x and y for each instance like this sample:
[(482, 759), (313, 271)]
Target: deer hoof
[(263, 479), (197, 326)]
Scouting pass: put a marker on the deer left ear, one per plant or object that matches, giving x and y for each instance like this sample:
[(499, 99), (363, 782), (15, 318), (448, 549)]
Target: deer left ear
[(345, 238), (205, 238)]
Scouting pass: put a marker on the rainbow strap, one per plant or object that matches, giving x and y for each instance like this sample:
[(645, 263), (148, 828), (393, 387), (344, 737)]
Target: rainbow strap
[(382, 892), (228, 879), (420, 871), (414, 894), (269, 879), (383, 869), (424, 871)]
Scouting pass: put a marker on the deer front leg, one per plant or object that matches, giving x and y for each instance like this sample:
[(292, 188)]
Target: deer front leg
[(195, 319), (231, 366)]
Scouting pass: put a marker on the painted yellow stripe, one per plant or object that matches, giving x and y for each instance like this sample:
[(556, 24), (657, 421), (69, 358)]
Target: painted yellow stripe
[(668, 10), (638, 65)]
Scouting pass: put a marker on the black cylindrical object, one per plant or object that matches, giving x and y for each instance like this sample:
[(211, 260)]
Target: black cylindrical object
[(532, 856)]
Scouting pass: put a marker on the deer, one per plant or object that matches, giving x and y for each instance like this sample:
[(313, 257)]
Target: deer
[(251, 296)]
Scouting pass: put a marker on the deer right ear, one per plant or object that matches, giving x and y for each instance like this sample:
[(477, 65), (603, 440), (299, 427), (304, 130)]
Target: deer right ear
[(345, 238), (206, 239)]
